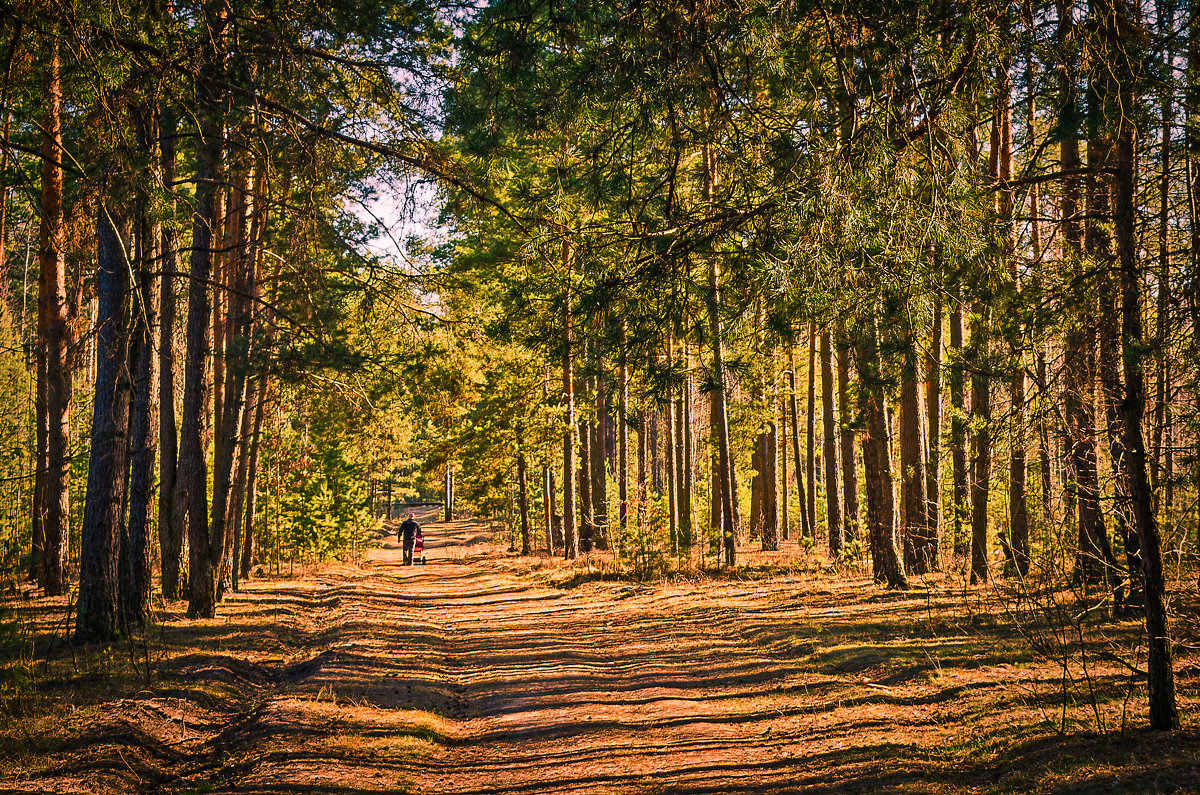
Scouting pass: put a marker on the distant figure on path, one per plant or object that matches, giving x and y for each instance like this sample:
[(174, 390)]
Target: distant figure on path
[(408, 533)]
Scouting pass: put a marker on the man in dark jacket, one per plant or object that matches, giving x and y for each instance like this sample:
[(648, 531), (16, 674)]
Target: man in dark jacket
[(408, 532)]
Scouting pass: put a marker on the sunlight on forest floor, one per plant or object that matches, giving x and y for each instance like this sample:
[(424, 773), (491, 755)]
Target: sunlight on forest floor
[(482, 671)]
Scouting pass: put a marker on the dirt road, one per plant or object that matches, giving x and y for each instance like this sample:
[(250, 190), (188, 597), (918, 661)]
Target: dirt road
[(476, 673)]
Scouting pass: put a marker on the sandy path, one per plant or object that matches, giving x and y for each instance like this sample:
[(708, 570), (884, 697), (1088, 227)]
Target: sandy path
[(475, 674), (460, 676)]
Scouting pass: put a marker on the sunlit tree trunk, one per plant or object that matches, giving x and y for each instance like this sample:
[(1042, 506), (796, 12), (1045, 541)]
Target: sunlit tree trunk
[(623, 434), (810, 438), (920, 546), (933, 430), (806, 527), (877, 465), (599, 461), (51, 514), (248, 523), (570, 535), (523, 502), (829, 437), (960, 507), (849, 454), (171, 525)]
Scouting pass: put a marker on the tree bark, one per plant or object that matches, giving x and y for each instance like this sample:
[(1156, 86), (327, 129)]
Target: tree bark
[(1160, 675), (51, 514), (806, 525), (960, 507), (887, 564), (570, 536), (920, 545), (171, 525), (192, 474), (933, 421), (981, 459), (810, 441), (849, 454), (599, 458), (833, 499), (623, 434), (523, 498), (136, 574), (248, 524), (98, 616)]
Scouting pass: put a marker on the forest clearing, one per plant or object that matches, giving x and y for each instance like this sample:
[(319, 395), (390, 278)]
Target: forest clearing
[(484, 672)]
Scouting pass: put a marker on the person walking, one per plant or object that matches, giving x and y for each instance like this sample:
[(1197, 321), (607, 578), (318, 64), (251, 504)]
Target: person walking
[(408, 533)]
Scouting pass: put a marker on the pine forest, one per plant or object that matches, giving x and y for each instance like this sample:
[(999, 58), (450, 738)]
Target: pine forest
[(614, 396)]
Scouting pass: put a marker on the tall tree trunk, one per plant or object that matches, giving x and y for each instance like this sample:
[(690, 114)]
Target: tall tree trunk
[(1160, 676), (599, 468), (806, 524), (227, 435), (981, 459), (683, 510), (920, 546), (833, 499), (728, 483), (810, 441), (623, 434), (98, 617), (933, 422), (171, 525), (587, 519), (1094, 553), (686, 476), (849, 455), (523, 497), (960, 508), (51, 513), (570, 535), (248, 545), (136, 576), (192, 474), (877, 465), (785, 487)]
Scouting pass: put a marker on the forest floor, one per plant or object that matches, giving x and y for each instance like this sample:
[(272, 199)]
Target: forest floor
[(485, 672)]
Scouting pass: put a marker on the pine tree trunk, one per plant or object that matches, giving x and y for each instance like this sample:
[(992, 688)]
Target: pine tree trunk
[(728, 482), (887, 565), (248, 525), (587, 519), (1160, 679), (810, 441), (51, 513), (806, 526), (785, 487), (770, 478), (623, 435), (98, 615), (981, 442), (686, 476), (849, 454), (960, 507), (920, 547), (1094, 553), (599, 459), (136, 575), (171, 525), (933, 419), (682, 491), (833, 499), (523, 501), (570, 536), (192, 474)]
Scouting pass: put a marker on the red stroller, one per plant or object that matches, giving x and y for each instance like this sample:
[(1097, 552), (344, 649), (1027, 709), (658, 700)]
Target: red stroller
[(419, 548)]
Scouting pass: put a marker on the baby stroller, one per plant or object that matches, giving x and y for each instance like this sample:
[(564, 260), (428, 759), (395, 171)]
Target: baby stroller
[(419, 548)]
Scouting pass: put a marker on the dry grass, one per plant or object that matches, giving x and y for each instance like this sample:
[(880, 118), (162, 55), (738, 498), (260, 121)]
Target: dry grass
[(486, 672)]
